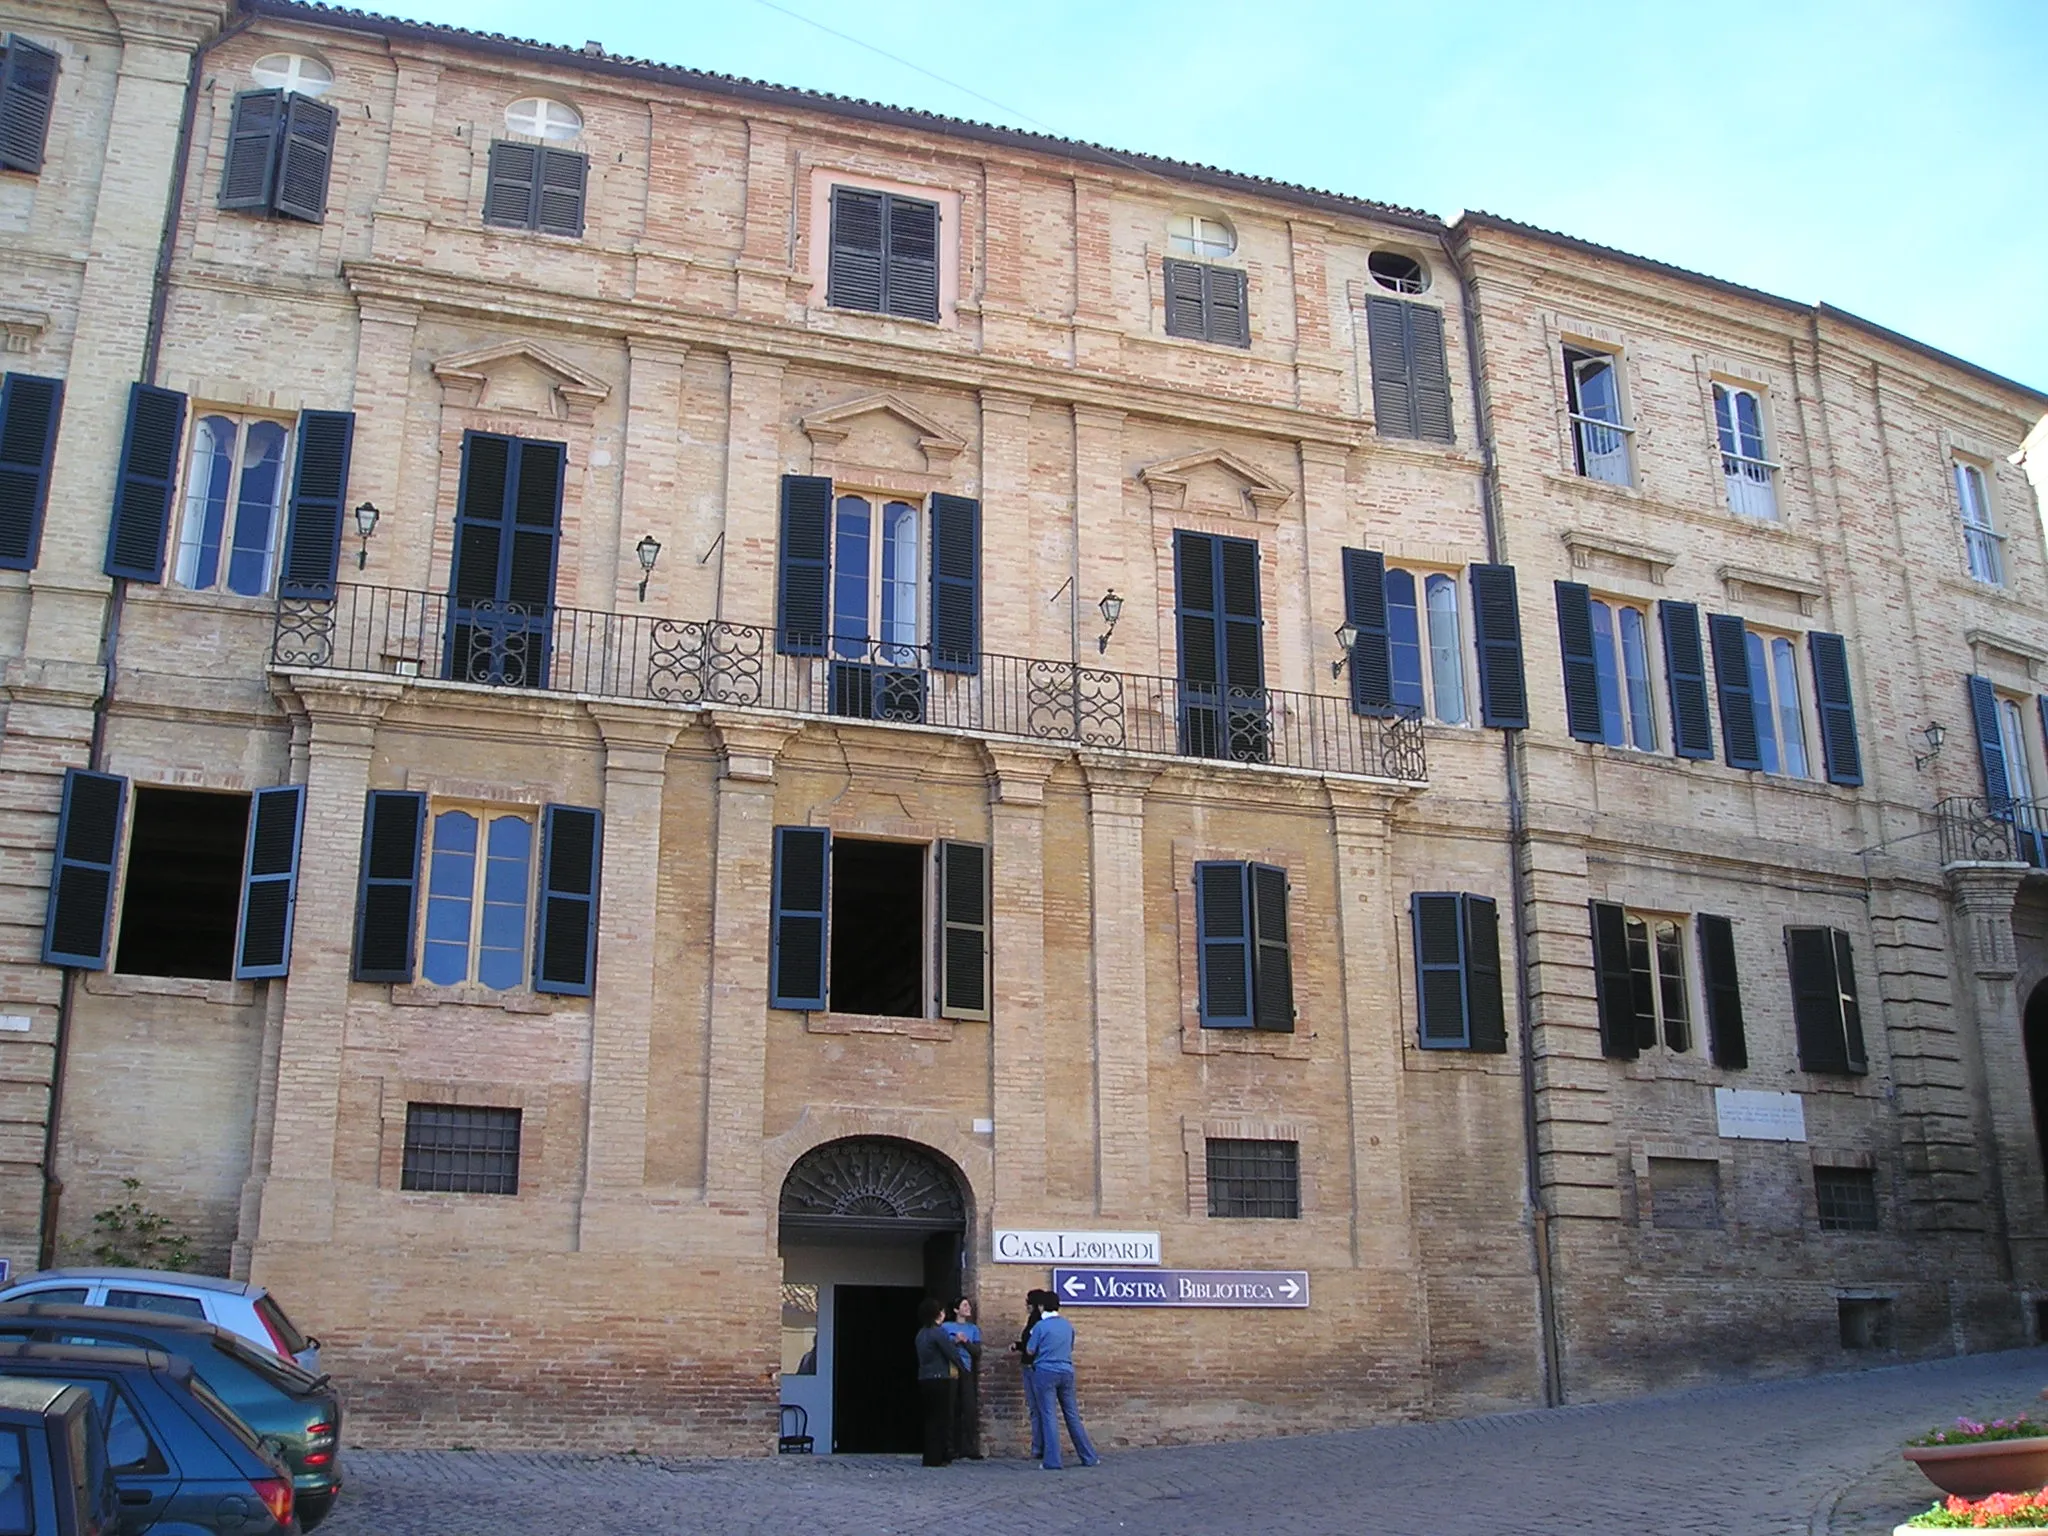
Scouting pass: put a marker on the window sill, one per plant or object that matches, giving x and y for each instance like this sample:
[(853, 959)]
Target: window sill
[(469, 995), (877, 1024), (1196, 1040), (1416, 1058), (171, 595), (109, 984)]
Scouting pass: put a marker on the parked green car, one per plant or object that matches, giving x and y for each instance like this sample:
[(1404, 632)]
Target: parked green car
[(297, 1414)]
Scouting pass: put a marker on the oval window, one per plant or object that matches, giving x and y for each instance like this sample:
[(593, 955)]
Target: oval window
[(540, 118), (1207, 239), (1403, 274), (292, 72)]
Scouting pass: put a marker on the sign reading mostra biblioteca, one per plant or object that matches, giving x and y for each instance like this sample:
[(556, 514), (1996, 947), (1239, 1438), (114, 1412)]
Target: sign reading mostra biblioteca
[(1181, 1287), (1077, 1247)]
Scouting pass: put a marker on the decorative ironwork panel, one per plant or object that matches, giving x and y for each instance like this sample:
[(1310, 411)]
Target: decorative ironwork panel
[(705, 663), (870, 1178), (304, 636)]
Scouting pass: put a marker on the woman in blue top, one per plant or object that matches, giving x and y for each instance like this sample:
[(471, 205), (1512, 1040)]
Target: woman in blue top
[(1050, 1349), (966, 1333)]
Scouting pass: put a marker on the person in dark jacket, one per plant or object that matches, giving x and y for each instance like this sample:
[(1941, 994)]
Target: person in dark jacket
[(938, 1362), (966, 1336)]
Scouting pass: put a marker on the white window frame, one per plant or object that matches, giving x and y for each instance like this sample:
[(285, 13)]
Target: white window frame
[(1201, 236), (484, 813), (185, 549), (300, 73), (1749, 481), (1983, 544), (1623, 700), (1422, 576), (1586, 429), (1649, 921), (875, 645), (534, 117), (1766, 694), (1421, 283), (2016, 742)]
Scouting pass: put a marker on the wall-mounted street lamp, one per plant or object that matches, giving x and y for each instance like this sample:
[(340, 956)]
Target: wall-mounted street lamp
[(1112, 608), (366, 524), (1347, 637), (1927, 744), (649, 551)]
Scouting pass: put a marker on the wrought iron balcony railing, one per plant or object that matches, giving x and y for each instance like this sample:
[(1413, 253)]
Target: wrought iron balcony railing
[(404, 633), (1979, 831)]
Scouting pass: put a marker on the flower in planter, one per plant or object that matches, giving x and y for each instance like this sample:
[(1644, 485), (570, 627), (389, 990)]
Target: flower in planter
[(1971, 1432), (1996, 1511)]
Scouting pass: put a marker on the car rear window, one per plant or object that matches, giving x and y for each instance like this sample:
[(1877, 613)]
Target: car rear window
[(284, 1375), (280, 1325), (158, 1301), (227, 1416), (17, 1509)]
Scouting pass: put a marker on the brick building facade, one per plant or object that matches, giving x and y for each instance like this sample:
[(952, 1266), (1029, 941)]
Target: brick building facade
[(710, 851)]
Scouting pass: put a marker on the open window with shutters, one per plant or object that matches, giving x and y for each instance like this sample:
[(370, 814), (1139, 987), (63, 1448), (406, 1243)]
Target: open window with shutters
[(257, 488), (1644, 984), (883, 254), (1825, 1014), (501, 583), (1425, 648), (884, 588), (2007, 759), (208, 887), (1605, 645), (30, 409), (1224, 712), (280, 155), (1411, 379), (879, 928), (1763, 707), (487, 896), (1497, 644), (28, 90), (1244, 961), (537, 187), (1459, 1003)]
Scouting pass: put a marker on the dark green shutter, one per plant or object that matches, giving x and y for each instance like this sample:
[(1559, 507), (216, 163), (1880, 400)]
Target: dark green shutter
[(1273, 966), (853, 278), (387, 893), (799, 916), (1614, 981), (1732, 682), (800, 569), (249, 174), (81, 901), (1854, 1054), (963, 930), (559, 196), (1223, 945), (1497, 638), (1428, 374), (1483, 1001), (956, 583), (565, 922), (1186, 314), (1581, 674), (910, 274), (30, 408), (312, 541), (1839, 751), (270, 882), (28, 88), (512, 185), (1226, 317), (142, 485), (1365, 608), (1816, 1000), (1437, 921), (306, 159), (1685, 671), (1393, 391), (1990, 745), (1725, 1037)]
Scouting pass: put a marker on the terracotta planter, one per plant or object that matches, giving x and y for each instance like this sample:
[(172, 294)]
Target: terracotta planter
[(1992, 1466), (2010, 1530)]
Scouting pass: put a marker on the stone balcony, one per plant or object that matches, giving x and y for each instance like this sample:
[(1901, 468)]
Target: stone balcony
[(392, 632)]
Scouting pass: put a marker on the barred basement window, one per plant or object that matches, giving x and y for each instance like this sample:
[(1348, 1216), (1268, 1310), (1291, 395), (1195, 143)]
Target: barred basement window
[(1254, 1178), (461, 1149), (1847, 1199)]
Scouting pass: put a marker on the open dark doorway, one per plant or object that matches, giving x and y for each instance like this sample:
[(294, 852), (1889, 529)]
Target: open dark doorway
[(2036, 1037), (878, 927), (874, 1369)]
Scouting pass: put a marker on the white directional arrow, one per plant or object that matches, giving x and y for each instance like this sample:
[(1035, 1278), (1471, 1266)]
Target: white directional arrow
[(1075, 1285), (1289, 1289)]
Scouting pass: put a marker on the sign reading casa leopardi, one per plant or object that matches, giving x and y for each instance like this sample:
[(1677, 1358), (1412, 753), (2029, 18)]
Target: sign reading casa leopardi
[(1077, 1247)]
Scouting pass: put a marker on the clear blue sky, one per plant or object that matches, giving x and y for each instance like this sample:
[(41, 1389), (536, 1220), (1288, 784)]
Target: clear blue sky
[(1888, 157)]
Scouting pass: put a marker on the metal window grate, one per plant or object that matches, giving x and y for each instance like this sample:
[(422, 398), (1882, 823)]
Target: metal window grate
[(1848, 1199), (457, 1149), (1254, 1178)]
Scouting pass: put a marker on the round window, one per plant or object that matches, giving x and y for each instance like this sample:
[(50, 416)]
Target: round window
[(1192, 234), (1403, 274), (292, 72), (539, 118)]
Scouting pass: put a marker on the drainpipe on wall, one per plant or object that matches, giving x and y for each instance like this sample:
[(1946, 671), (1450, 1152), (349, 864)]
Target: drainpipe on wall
[(110, 626), (1512, 763)]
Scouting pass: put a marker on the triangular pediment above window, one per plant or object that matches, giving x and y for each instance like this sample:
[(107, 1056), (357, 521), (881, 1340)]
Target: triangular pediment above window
[(1213, 480), (878, 434), (521, 377)]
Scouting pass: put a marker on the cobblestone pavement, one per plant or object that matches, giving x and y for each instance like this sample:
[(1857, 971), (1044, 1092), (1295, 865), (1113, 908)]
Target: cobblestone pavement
[(1817, 1457)]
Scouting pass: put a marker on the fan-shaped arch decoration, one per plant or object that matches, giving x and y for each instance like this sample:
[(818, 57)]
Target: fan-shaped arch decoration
[(872, 1180)]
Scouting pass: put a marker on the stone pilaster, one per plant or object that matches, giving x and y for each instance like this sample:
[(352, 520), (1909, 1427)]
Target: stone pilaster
[(1098, 328), (763, 265), (1325, 530), (1012, 612), (1982, 896), (1105, 543), (655, 501), (753, 476), (401, 553), (1116, 885)]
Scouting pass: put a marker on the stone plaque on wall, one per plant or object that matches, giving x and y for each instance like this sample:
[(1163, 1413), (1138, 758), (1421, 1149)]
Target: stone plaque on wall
[(1751, 1115)]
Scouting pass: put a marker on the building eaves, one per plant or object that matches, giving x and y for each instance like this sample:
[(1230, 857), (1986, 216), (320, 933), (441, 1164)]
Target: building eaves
[(790, 97), (1473, 219)]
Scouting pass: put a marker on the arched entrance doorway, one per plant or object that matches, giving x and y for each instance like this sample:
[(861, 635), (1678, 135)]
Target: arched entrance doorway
[(2036, 1037), (869, 1226)]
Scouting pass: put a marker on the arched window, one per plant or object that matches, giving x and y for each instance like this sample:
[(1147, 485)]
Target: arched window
[(1402, 273), (538, 117), (292, 72), (1199, 236)]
